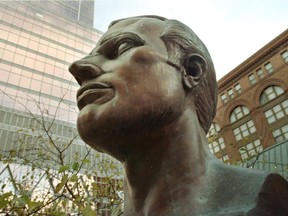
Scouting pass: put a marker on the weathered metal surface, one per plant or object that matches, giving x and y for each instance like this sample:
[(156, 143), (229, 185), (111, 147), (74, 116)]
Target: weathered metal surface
[(148, 96)]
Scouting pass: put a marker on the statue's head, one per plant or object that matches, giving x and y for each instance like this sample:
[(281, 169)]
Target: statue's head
[(142, 75)]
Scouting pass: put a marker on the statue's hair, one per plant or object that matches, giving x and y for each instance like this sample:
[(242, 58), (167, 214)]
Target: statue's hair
[(181, 42)]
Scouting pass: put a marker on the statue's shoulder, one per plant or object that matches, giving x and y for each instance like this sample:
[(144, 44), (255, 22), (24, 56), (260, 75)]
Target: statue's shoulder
[(272, 199)]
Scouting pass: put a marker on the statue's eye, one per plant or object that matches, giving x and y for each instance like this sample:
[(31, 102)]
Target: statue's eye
[(124, 46), (118, 45)]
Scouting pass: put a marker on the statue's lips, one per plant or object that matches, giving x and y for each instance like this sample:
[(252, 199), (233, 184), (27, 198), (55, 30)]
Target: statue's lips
[(96, 93)]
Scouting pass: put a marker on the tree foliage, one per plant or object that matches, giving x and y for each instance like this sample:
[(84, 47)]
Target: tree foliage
[(44, 176)]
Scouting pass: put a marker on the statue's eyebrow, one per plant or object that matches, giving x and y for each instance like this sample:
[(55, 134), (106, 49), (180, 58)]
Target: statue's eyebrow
[(112, 39), (122, 35)]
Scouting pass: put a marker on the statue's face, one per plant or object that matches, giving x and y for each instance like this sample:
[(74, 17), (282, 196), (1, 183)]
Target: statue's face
[(136, 90)]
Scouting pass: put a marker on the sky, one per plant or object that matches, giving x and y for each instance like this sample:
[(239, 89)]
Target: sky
[(232, 30)]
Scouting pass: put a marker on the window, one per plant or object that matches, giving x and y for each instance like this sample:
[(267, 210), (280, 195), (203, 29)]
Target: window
[(251, 149), (285, 56), (281, 133), (225, 159), (19, 121), (2, 114), (224, 98), (244, 130), (277, 112), (7, 118), (260, 73), (252, 79), (231, 93), (238, 113), (216, 143), (270, 93), (238, 88), (268, 67), (214, 130)]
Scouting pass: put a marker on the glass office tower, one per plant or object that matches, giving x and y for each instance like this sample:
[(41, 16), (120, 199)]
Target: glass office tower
[(38, 41)]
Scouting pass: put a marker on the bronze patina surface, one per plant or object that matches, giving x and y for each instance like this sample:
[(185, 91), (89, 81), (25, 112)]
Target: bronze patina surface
[(148, 96)]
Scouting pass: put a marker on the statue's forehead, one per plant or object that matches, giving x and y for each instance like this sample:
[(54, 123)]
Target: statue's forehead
[(136, 25)]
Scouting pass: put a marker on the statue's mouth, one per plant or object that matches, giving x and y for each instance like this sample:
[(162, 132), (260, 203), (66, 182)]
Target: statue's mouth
[(96, 93)]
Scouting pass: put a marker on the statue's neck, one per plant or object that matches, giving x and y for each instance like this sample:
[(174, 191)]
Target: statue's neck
[(170, 169), (171, 172)]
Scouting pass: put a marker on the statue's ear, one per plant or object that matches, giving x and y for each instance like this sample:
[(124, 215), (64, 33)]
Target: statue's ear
[(195, 67)]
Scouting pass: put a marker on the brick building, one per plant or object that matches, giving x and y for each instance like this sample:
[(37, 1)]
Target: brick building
[(252, 109)]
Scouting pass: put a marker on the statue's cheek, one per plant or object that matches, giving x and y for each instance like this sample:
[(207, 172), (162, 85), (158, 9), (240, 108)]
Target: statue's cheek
[(144, 56)]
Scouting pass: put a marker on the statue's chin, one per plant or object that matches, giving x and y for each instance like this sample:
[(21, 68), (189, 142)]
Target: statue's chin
[(87, 123), (111, 129), (98, 128)]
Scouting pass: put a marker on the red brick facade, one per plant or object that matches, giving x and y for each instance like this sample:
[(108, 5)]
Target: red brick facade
[(255, 116)]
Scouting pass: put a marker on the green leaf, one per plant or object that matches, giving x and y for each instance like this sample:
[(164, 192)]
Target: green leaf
[(32, 205), (5, 196), (3, 186), (242, 149), (61, 184), (94, 185), (74, 178), (63, 168), (3, 203), (112, 166), (24, 199), (58, 213), (51, 143), (87, 211), (75, 166), (121, 184), (86, 161)]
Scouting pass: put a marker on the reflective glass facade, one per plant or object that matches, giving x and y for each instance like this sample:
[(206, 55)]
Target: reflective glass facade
[(38, 41)]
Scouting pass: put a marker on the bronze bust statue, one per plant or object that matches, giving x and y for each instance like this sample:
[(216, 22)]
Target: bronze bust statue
[(148, 96)]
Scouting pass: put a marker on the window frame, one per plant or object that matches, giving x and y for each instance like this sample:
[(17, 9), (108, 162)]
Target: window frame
[(230, 93), (252, 79), (260, 73), (285, 55), (269, 67), (224, 98), (237, 88)]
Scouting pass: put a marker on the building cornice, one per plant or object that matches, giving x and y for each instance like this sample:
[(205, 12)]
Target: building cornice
[(256, 59)]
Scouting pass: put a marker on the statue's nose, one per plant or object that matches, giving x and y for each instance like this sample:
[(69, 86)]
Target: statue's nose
[(84, 70)]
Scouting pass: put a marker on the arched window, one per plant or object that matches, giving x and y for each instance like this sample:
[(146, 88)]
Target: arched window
[(216, 142), (275, 109), (270, 93), (238, 113)]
